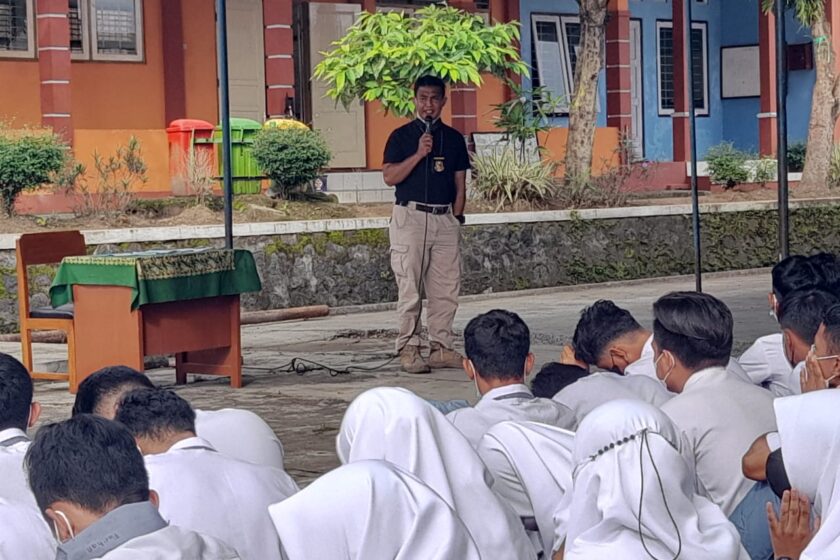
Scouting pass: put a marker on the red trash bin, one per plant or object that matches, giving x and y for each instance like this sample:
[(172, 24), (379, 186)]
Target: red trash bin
[(190, 144)]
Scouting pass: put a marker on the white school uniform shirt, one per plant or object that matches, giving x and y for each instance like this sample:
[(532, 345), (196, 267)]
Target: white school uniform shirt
[(720, 417), (532, 466), (370, 510), (810, 438), (14, 486), (633, 494), (24, 534), (645, 365), (173, 543), (206, 491), (590, 392), (240, 434), (512, 402), (395, 425), (766, 364)]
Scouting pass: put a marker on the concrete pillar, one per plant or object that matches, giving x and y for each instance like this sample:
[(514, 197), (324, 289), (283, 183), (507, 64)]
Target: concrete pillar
[(462, 97), (682, 86), (619, 110), (53, 43), (279, 45), (174, 85)]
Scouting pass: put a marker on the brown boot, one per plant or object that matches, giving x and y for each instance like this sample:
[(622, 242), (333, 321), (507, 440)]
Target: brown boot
[(441, 357), (411, 360)]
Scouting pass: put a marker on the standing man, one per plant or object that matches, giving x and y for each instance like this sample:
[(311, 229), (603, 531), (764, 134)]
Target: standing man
[(427, 162)]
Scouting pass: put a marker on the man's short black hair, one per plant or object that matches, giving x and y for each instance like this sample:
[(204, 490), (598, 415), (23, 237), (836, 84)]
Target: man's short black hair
[(802, 312), (15, 393), (107, 382), (694, 327), (831, 323), (828, 269), (430, 81), (498, 343), (88, 461), (555, 376), (155, 413), (600, 324), (793, 273)]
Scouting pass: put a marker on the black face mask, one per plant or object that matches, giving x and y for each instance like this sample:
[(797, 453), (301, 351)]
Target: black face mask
[(776, 474)]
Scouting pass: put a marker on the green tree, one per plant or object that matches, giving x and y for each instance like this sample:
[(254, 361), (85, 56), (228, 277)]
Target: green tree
[(382, 55), (825, 99)]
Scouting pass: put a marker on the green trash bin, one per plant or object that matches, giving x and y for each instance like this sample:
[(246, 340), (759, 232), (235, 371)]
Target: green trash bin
[(247, 178)]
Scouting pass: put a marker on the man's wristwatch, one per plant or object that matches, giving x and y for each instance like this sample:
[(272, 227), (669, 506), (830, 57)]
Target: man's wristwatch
[(461, 219)]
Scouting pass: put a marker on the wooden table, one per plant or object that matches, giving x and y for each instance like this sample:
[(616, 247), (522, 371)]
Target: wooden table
[(114, 328)]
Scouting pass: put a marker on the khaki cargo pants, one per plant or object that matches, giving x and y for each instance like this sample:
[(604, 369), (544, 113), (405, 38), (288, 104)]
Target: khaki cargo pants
[(440, 273)]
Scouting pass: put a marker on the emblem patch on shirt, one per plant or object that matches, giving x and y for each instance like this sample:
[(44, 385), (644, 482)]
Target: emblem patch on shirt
[(439, 164)]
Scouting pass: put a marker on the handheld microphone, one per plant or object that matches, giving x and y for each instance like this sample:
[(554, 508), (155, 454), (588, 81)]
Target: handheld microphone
[(428, 125)]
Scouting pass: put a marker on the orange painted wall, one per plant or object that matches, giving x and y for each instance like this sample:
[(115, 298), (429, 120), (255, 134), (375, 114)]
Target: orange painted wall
[(605, 155), (122, 95), (154, 150), (200, 60), (492, 92), (20, 102)]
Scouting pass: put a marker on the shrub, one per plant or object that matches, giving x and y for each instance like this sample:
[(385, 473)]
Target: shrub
[(28, 159), (290, 157), (116, 176), (727, 165), (834, 168), (796, 157), (764, 170), (502, 179)]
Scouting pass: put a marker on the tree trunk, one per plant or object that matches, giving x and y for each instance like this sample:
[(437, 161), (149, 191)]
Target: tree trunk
[(583, 106), (824, 109)]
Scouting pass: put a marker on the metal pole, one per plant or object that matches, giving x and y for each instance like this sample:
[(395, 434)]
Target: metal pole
[(781, 128), (692, 127), (224, 110)]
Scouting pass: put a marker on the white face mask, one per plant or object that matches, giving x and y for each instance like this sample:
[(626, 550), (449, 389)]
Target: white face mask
[(66, 522), (667, 374)]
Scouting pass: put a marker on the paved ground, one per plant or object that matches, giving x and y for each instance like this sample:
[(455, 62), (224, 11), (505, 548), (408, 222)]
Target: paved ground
[(305, 409)]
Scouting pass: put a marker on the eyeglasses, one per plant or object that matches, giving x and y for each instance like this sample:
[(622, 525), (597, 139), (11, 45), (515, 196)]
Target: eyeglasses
[(821, 358)]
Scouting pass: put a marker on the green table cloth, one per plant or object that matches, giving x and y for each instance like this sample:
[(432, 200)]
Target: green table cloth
[(160, 276)]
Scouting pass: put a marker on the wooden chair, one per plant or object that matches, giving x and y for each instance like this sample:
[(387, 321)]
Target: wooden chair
[(46, 249)]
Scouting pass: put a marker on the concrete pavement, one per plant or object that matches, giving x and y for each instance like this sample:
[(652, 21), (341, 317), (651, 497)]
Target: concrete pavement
[(305, 408)]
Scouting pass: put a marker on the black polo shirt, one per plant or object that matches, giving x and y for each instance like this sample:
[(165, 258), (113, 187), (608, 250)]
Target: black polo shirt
[(449, 154)]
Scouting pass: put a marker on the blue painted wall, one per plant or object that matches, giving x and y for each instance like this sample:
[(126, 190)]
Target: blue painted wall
[(739, 27), (560, 7), (800, 86)]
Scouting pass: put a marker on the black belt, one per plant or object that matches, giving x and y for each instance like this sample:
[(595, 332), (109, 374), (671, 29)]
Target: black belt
[(433, 210)]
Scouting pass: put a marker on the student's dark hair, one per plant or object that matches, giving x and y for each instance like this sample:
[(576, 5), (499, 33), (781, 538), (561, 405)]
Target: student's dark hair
[(694, 327), (600, 324), (88, 461), (795, 272), (831, 322), (555, 376), (802, 312), (15, 393), (828, 269), (430, 81), (498, 343), (154, 413), (105, 383)]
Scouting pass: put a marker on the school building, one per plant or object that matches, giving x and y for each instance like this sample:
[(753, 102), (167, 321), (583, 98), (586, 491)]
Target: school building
[(99, 71)]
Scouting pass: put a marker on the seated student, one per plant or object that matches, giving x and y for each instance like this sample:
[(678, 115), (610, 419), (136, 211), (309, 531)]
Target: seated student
[(609, 338), (370, 510), (765, 361), (828, 268), (24, 533), (397, 426), (633, 493), (583, 392), (800, 315), (719, 415), (233, 432), (498, 360), (18, 412), (809, 435), (200, 488), (90, 482), (822, 365)]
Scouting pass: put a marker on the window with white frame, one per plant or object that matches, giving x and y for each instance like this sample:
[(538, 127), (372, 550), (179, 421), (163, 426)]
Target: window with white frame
[(665, 67), (554, 50), (106, 29), (17, 37)]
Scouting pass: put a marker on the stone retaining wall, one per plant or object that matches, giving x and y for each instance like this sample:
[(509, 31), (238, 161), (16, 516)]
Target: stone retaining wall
[(346, 262)]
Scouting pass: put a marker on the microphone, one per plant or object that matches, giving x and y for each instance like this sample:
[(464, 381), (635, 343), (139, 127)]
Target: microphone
[(428, 125)]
